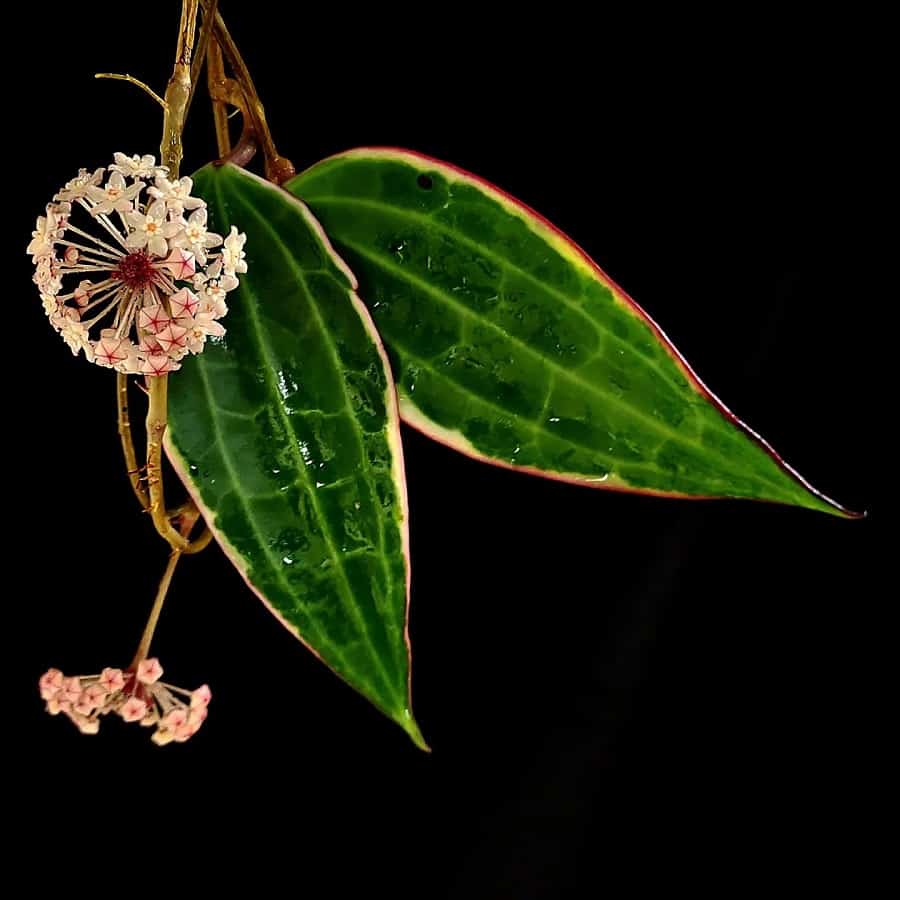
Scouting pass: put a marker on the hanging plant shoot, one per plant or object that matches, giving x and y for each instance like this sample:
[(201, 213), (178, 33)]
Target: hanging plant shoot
[(282, 326)]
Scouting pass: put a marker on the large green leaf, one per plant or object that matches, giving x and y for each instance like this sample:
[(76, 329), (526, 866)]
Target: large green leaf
[(286, 433), (512, 346)]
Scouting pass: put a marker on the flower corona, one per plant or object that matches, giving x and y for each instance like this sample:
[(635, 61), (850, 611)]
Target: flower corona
[(151, 285)]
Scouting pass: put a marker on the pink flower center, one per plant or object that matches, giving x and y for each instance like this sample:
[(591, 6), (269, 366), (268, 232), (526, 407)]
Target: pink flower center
[(135, 270)]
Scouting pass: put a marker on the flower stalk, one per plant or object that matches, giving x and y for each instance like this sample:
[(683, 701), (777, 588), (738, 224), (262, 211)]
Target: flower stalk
[(131, 462), (143, 649), (157, 420)]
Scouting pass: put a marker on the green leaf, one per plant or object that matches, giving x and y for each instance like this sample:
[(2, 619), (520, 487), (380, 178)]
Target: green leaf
[(512, 346), (286, 433)]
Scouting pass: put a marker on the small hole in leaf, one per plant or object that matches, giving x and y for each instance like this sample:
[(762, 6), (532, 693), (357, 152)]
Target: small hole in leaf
[(425, 182)]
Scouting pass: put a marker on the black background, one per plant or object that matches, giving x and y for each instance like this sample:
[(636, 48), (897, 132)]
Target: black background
[(590, 669)]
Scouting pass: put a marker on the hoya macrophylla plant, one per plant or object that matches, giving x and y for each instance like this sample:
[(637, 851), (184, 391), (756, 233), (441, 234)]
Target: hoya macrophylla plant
[(506, 341), (150, 288)]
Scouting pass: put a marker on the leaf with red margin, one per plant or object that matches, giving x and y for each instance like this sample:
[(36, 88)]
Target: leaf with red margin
[(286, 433), (512, 346)]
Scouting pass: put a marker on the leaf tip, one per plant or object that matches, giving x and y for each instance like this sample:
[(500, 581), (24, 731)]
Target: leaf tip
[(819, 502), (406, 721), (852, 514)]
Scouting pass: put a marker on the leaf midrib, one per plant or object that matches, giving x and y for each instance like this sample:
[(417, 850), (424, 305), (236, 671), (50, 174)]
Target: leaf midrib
[(390, 583), (339, 366), (251, 519), (627, 408), (267, 358)]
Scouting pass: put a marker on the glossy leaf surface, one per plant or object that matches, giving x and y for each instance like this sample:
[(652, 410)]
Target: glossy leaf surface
[(512, 346), (287, 434)]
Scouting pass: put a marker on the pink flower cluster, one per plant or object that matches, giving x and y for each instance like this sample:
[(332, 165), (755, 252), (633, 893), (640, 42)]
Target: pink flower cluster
[(131, 284), (135, 695)]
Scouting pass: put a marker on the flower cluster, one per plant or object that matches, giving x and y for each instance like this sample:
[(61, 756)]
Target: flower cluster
[(152, 277), (137, 696)]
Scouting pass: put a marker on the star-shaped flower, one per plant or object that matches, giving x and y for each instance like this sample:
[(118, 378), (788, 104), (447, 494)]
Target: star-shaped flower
[(137, 166), (233, 255), (114, 195), (78, 187), (184, 303), (151, 230), (175, 194), (195, 236), (112, 351)]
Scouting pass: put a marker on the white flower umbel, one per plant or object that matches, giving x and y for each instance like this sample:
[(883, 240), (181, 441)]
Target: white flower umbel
[(132, 284)]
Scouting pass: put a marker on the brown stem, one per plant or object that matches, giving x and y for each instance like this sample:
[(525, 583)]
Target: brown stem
[(244, 151), (215, 75), (144, 645), (131, 461), (201, 543), (178, 91), (187, 515), (278, 168), (200, 50), (188, 520), (157, 420)]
